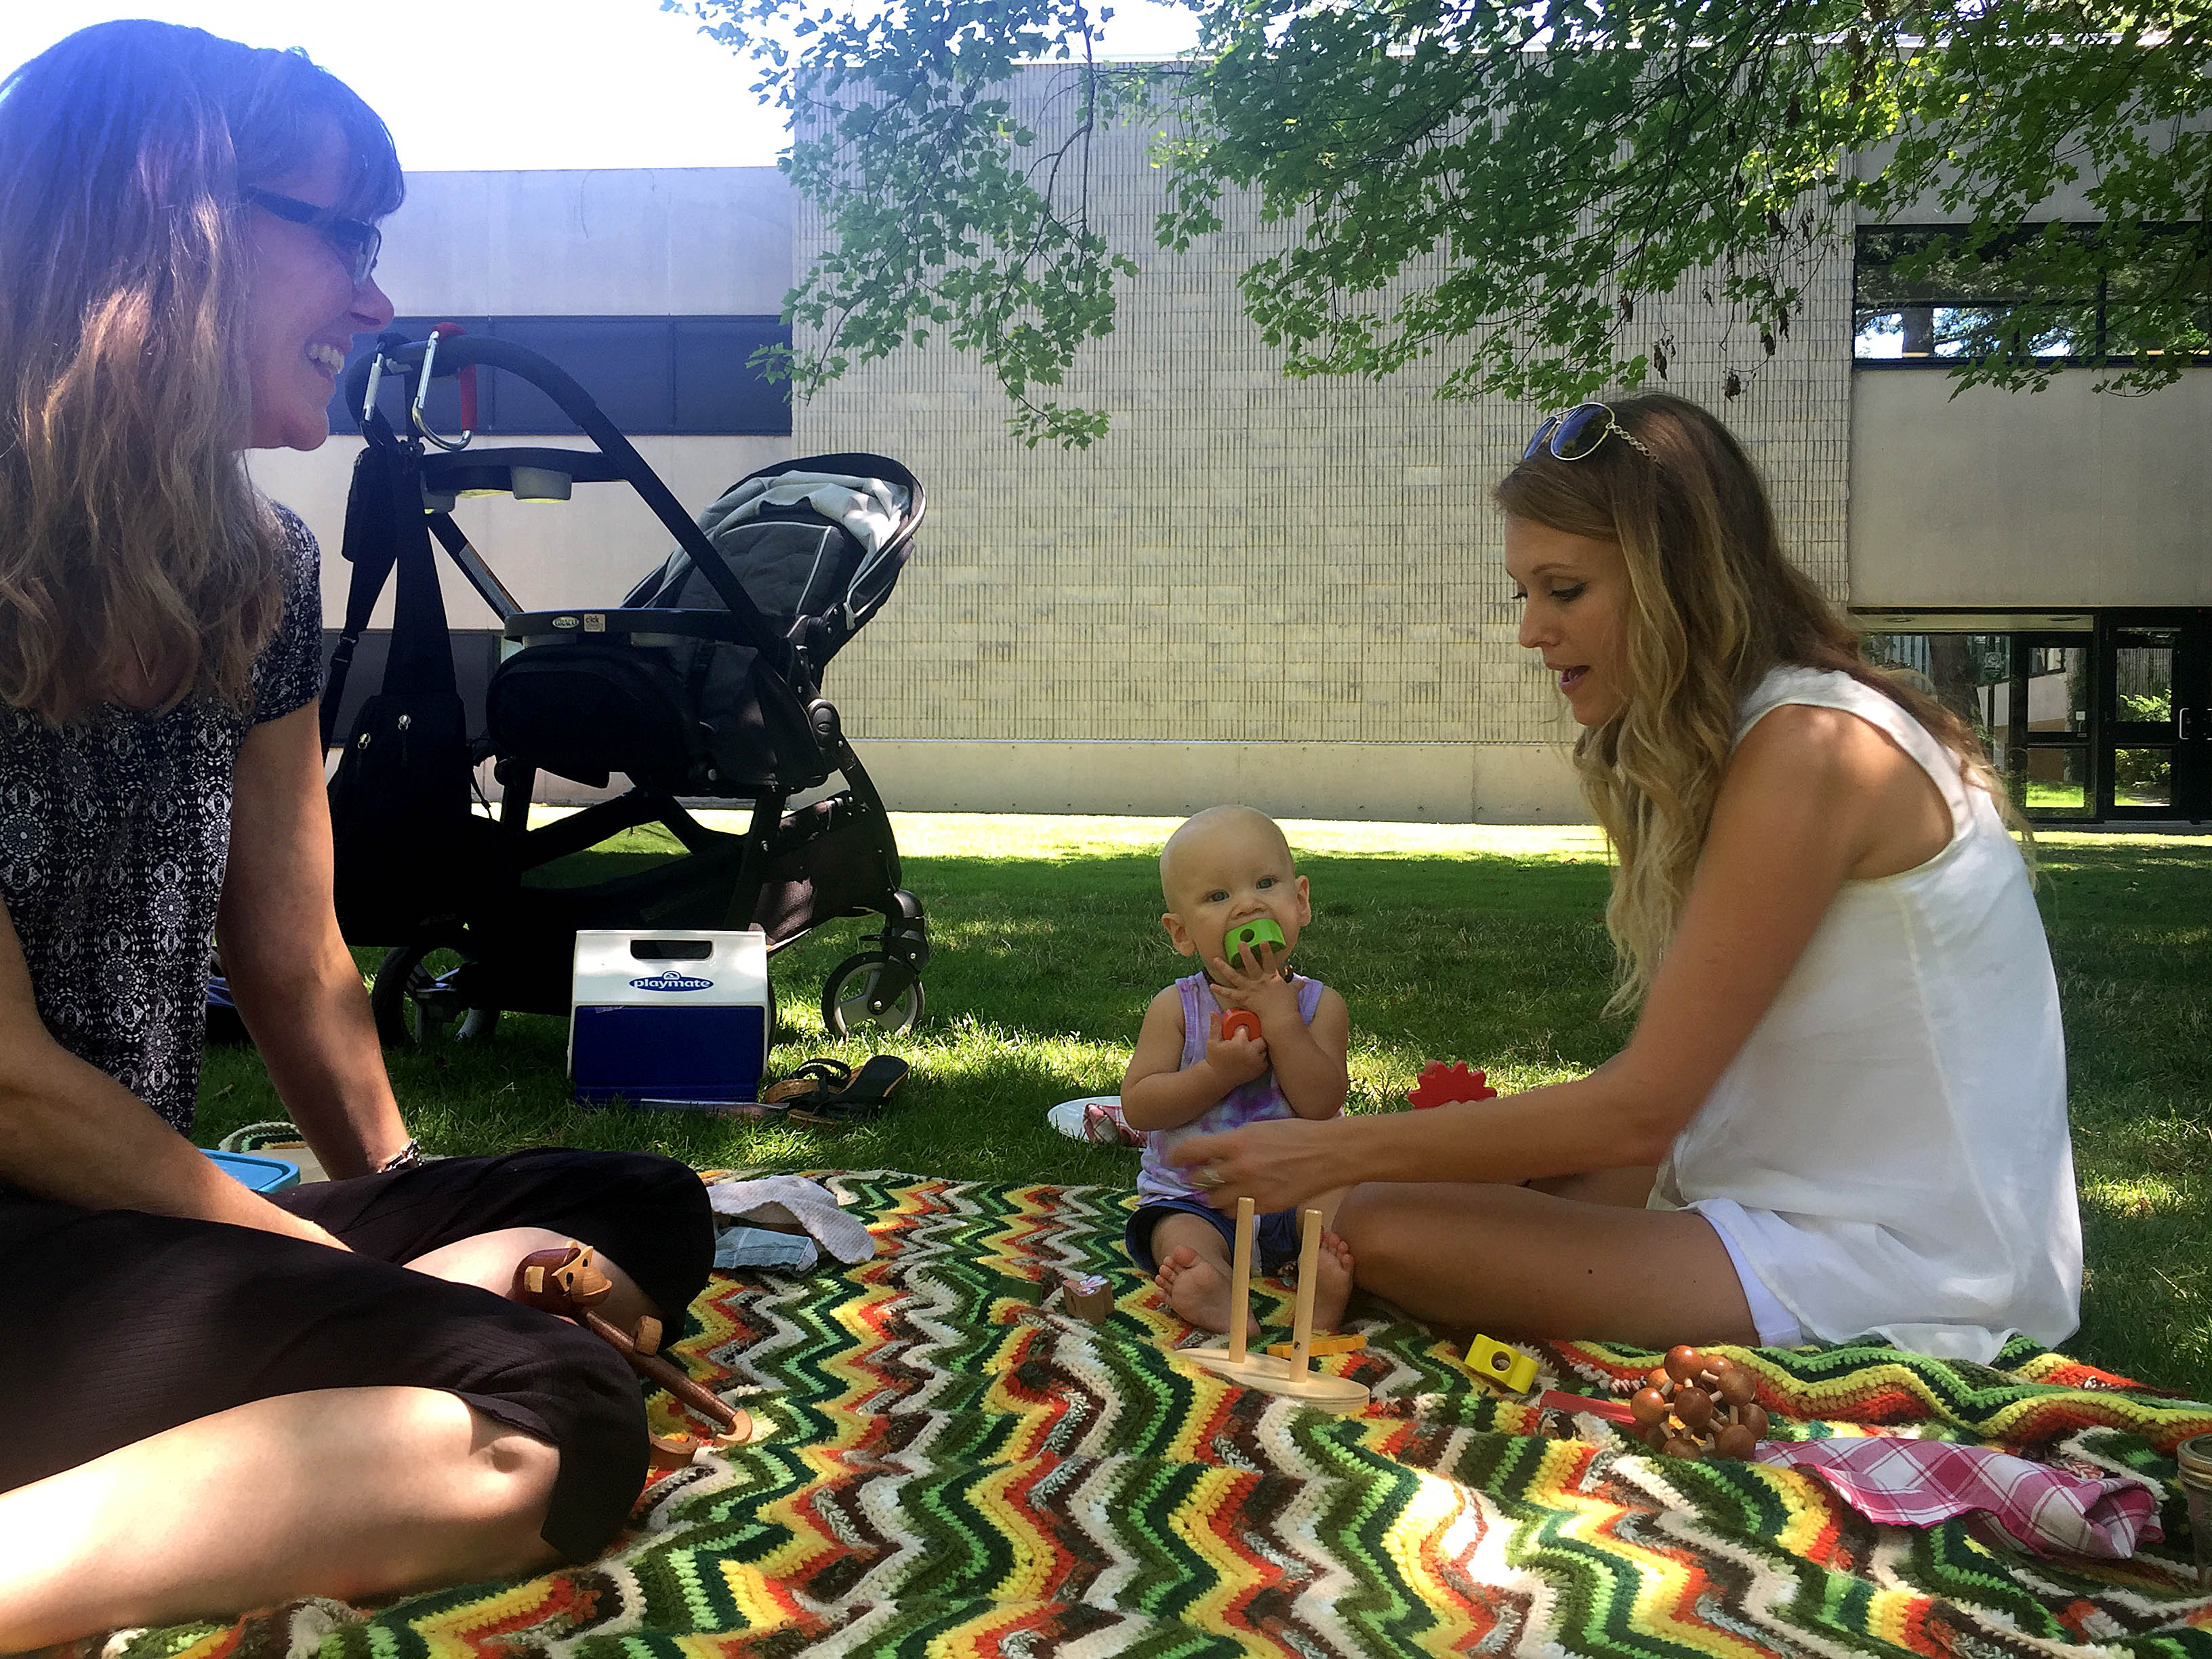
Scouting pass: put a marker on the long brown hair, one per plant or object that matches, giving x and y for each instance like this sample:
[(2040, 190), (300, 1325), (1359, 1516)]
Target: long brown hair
[(1714, 607), (128, 529)]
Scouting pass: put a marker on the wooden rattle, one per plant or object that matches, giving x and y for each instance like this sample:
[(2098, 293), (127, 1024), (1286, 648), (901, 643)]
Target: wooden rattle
[(565, 1280), (1695, 1404)]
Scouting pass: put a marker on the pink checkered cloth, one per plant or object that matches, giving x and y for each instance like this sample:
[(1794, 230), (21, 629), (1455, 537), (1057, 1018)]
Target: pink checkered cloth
[(1918, 1483)]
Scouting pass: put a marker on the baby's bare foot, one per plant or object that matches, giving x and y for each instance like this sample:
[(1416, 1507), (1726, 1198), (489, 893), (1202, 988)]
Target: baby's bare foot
[(1195, 1288), (1332, 1282)]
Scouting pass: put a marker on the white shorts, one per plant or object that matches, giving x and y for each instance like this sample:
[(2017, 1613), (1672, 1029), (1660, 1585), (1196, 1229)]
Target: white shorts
[(1777, 1326)]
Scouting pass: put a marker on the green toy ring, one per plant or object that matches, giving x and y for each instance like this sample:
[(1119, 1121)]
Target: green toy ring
[(1250, 937)]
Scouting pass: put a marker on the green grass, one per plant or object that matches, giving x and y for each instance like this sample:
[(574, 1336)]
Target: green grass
[(1449, 942)]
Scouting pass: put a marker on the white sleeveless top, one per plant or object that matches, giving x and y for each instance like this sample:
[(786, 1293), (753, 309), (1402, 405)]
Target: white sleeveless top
[(1889, 1151)]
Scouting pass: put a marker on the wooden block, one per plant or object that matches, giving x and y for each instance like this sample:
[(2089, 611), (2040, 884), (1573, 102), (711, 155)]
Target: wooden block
[(1088, 1296), (1501, 1367), (1346, 1342)]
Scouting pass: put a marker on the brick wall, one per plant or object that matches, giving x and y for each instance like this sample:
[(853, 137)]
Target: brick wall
[(1246, 558)]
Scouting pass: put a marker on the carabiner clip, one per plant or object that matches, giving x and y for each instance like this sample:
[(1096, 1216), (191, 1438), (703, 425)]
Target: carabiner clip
[(421, 392), (375, 380)]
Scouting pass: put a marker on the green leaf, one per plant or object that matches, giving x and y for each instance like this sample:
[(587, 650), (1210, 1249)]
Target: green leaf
[(1493, 178)]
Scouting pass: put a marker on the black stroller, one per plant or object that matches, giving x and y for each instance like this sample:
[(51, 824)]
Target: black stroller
[(700, 684)]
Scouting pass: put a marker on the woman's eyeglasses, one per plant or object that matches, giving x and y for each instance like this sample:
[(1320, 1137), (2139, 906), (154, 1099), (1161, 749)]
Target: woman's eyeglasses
[(356, 243), (1572, 436)]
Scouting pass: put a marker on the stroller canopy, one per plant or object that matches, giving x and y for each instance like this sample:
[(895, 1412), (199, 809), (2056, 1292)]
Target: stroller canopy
[(817, 551), (663, 689)]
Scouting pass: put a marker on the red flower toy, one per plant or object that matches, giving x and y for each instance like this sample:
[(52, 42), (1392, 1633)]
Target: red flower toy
[(1440, 1085)]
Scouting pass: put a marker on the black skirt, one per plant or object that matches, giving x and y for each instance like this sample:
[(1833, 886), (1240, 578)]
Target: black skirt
[(115, 1325)]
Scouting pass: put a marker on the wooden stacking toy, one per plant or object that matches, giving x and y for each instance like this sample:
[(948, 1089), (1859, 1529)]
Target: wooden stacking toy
[(1089, 1296), (1293, 1378), (1251, 937)]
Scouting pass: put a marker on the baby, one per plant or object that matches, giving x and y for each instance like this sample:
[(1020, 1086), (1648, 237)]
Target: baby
[(1228, 865)]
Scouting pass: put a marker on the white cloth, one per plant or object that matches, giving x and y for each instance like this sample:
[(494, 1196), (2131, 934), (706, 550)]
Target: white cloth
[(1889, 1152), (757, 1247), (787, 1200)]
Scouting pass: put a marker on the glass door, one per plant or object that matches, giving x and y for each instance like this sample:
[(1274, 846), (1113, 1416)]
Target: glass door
[(2155, 696), (2051, 740)]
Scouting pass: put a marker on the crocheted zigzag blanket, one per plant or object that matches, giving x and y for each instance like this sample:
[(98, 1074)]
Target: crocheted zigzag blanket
[(955, 1469)]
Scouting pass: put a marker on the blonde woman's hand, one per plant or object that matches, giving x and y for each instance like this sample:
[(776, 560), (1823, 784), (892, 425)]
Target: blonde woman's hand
[(1275, 1164)]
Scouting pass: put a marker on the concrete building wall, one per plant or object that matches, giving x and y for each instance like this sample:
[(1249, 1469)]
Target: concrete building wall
[(1432, 782), (670, 241), (639, 241), (2062, 498), (2069, 199), (1285, 592), (1251, 584)]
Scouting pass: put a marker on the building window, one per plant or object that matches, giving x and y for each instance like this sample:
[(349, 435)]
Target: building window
[(2086, 715), (1917, 302), (652, 376)]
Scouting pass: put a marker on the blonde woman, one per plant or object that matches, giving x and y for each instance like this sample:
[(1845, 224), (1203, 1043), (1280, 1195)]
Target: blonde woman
[(1843, 1109), (210, 1401)]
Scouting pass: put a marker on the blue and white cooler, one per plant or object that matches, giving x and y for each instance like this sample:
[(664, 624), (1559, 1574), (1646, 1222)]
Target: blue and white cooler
[(677, 1018)]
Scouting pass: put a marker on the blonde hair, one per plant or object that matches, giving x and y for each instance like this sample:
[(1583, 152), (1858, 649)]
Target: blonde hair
[(129, 530), (1714, 607)]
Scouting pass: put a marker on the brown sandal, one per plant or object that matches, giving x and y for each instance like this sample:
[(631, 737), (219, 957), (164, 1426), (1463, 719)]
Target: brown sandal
[(816, 1079)]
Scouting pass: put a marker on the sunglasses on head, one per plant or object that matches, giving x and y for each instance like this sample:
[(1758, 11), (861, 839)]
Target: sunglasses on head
[(1571, 436), (356, 243)]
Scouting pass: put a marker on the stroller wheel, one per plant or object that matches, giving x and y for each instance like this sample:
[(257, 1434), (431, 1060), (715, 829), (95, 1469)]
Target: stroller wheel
[(419, 998), (871, 992)]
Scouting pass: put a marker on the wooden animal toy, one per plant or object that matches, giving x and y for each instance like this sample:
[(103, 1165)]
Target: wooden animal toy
[(563, 1279)]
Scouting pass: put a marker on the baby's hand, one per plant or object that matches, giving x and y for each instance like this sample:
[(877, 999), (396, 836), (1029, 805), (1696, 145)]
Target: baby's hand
[(1253, 979), (1235, 1060)]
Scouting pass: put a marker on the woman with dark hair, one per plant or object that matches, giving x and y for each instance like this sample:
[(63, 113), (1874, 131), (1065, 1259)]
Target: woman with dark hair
[(209, 1400), (1843, 1109)]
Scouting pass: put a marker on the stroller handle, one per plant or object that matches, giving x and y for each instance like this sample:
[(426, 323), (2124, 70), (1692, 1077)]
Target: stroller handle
[(458, 352)]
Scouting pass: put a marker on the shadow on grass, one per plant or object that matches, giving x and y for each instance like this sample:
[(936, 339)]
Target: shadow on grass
[(1043, 967)]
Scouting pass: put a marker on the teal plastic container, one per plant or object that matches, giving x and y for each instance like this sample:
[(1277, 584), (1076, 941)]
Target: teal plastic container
[(260, 1174)]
